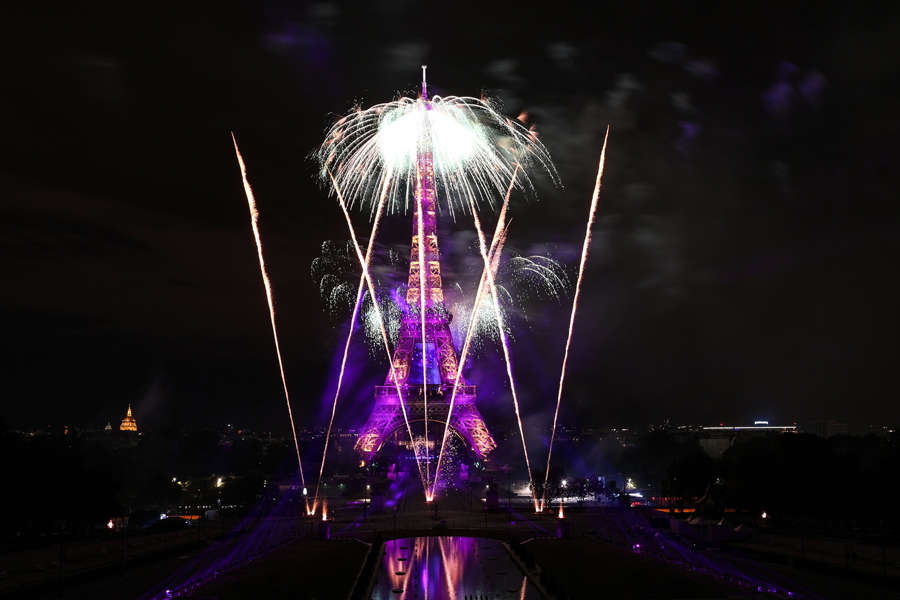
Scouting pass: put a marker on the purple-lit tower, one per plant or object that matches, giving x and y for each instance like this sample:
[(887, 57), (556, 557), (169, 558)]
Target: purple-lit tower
[(439, 352)]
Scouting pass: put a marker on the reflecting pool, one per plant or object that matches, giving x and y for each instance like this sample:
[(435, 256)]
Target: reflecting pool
[(449, 567)]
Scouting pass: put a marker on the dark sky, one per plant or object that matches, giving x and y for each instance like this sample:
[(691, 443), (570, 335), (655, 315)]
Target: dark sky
[(743, 263)]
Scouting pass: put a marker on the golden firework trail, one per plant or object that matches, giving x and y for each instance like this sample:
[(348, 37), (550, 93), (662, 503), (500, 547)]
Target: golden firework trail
[(496, 244), (584, 254), (421, 233), (384, 335), (504, 343), (254, 223), (359, 296)]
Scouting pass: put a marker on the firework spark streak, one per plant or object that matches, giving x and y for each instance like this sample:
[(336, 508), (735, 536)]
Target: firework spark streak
[(495, 251), (359, 297), (584, 254), (421, 232), (384, 335), (504, 343), (254, 223)]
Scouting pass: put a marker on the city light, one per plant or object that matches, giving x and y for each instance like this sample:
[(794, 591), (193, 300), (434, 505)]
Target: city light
[(110, 524)]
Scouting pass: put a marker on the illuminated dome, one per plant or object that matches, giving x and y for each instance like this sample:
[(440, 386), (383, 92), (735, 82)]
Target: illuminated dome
[(128, 423)]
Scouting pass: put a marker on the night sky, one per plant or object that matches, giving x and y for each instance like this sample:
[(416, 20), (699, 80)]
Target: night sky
[(744, 258)]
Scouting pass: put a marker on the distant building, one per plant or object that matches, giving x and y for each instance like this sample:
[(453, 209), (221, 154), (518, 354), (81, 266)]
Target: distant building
[(716, 440), (128, 423), (108, 427)]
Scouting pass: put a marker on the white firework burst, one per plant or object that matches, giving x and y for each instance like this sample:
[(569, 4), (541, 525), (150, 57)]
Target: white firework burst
[(474, 149)]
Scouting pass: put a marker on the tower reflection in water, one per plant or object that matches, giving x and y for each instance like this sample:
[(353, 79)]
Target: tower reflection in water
[(447, 567)]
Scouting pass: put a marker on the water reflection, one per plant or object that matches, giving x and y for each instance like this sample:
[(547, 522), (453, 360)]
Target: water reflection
[(452, 568)]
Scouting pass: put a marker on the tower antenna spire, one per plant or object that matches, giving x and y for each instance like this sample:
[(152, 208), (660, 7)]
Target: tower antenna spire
[(424, 85)]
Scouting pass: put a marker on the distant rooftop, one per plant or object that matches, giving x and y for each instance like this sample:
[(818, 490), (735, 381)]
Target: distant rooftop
[(752, 427)]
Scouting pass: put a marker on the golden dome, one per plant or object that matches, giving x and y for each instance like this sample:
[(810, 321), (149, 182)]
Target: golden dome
[(128, 423)]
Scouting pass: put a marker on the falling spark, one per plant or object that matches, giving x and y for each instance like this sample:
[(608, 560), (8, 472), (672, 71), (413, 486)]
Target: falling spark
[(584, 254), (325, 509), (504, 343), (254, 223), (495, 248), (561, 514), (384, 335), (542, 272), (359, 296)]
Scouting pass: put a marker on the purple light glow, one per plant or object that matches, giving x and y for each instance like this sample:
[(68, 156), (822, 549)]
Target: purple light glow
[(447, 567)]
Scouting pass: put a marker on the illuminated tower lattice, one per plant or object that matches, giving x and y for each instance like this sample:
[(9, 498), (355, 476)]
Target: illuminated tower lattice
[(386, 416)]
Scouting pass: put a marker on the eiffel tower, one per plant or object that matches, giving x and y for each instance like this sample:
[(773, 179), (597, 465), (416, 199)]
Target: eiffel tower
[(438, 351)]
